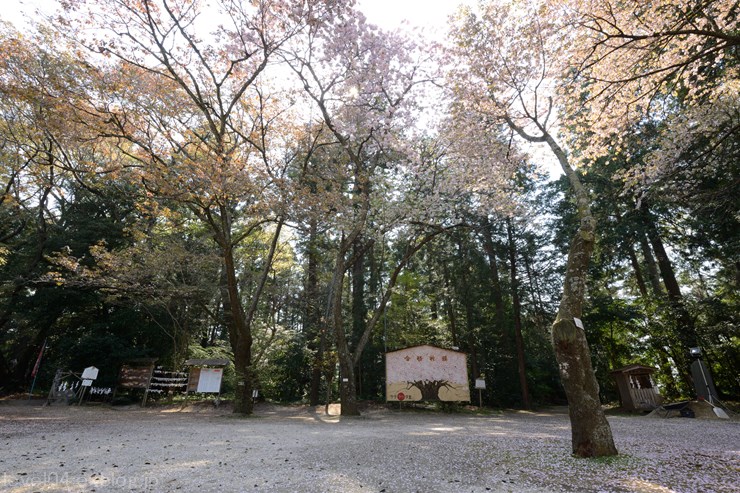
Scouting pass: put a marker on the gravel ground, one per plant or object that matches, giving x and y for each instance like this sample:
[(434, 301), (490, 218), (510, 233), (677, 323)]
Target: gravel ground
[(299, 449)]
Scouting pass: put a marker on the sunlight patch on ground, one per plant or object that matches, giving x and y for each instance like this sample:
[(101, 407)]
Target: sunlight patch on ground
[(640, 486)]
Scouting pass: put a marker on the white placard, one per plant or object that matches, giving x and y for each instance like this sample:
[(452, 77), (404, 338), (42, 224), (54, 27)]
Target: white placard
[(90, 373), (87, 382), (209, 380), (480, 384), (579, 323)]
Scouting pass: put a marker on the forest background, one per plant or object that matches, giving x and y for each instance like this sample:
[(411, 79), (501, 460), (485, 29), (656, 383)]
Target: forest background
[(290, 187)]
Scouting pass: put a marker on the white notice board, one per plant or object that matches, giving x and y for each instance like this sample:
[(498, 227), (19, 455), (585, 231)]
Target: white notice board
[(210, 380)]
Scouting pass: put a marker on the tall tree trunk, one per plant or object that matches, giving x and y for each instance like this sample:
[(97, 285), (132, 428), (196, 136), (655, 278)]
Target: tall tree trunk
[(685, 330), (240, 335), (238, 321), (449, 302), (470, 318), (496, 292), (652, 267), (347, 388), (639, 279), (359, 309), (591, 433), (628, 245), (521, 364), (315, 332)]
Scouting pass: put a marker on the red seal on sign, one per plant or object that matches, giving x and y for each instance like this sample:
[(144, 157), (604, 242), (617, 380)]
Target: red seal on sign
[(401, 396)]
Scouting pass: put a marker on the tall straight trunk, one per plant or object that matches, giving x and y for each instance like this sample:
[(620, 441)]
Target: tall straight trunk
[(534, 287), (359, 309), (347, 386), (591, 433), (685, 330), (470, 318), (639, 279), (315, 332), (450, 308), (521, 363), (496, 291), (652, 267)]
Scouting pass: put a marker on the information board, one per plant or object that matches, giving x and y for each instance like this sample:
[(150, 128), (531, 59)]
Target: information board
[(209, 380)]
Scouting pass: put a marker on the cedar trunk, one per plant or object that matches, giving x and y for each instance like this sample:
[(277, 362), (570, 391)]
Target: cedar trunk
[(521, 361)]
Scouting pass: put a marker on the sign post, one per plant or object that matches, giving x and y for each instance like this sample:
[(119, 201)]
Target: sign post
[(480, 384), (88, 375)]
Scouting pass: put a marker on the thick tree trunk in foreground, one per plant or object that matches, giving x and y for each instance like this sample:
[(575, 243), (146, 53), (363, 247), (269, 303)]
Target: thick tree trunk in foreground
[(591, 433)]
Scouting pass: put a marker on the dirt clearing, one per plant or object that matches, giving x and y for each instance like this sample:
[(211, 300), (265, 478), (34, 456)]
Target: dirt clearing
[(285, 449)]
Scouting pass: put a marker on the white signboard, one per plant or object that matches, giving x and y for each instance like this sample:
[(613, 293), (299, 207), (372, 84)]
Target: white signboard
[(426, 373), (210, 380), (90, 373), (480, 384), (87, 382)]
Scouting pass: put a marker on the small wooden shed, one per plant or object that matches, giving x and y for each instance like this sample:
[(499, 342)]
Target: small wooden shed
[(636, 389)]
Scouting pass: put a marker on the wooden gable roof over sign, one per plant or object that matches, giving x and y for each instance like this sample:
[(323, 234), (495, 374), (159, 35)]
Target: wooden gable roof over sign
[(635, 368), (207, 362), (422, 347)]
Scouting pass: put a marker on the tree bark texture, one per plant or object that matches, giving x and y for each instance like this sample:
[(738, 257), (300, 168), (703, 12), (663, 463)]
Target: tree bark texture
[(591, 433), (240, 336), (521, 363), (312, 314)]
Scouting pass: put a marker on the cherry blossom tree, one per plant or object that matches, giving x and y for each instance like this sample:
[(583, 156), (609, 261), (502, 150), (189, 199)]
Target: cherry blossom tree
[(188, 97), (365, 83), (506, 75), (671, 63), (358, 78), (664, 73)]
